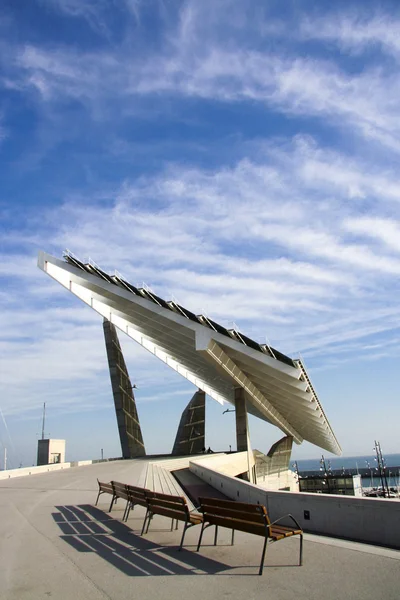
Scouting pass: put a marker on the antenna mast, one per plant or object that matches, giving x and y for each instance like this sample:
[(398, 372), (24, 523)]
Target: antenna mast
[(44, 417)]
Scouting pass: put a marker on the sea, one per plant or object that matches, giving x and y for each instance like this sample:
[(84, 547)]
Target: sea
[(392, 462)]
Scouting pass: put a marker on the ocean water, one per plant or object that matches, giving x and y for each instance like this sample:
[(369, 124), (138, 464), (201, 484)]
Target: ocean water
[(349, 462)]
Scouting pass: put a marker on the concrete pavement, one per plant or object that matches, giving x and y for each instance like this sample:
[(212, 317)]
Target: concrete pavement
[(55, 544)]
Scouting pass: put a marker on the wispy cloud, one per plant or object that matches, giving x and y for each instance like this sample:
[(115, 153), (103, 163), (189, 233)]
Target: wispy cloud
[(355, 31), (303, 288), (385, 231), (197, 61), (91, 11)]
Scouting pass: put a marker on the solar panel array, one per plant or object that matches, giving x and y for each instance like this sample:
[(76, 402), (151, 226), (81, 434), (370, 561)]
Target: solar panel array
[(93, 269), (278, 389)]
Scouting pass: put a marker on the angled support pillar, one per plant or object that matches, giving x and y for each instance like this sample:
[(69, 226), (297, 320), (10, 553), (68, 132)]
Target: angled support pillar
[(129, 429), (242, 425), (190, 435), (279, 455), (242, 430)]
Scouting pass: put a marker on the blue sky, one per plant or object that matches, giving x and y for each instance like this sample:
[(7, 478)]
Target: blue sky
[(238, 156)]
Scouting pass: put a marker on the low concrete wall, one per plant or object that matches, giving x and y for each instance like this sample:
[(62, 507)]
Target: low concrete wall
[(370, 520), (11, 473)]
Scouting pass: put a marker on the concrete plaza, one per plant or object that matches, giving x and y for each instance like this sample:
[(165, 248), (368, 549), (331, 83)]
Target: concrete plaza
[(54, 543)]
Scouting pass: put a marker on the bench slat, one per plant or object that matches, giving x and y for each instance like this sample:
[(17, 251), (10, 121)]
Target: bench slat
[(167, 497), (105, 487), (240, 515), (239, 525), (120, 490), (175, 514), (169, 505), (136, 495), (231, 504)]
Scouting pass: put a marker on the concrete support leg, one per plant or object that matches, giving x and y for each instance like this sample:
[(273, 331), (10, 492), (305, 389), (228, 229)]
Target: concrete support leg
[(242, 441), (190, 435), (242, 429)]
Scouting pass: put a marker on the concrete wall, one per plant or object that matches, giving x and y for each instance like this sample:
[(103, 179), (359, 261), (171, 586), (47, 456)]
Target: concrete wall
[(371, 520), (11, 473), (285, 480)]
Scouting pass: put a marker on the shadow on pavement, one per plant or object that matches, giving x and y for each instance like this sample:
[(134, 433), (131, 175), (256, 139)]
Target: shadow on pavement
[(88, 529)]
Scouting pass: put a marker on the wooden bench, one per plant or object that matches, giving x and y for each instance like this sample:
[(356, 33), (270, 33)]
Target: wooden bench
[(132, 494), (174, 507), (136, 495), (250, 518), (119, 491), (105, 488)]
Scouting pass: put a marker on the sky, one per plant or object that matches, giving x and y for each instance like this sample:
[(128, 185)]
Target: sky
[(239, 156)]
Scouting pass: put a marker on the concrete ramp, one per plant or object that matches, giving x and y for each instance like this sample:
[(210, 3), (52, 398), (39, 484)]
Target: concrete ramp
[(196, 488), (229, 464)]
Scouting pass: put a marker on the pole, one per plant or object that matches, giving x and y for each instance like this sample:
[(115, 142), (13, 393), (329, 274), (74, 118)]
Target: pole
[(384, 471), (102, 454), (5, 459), (326, 474), (380, 467)]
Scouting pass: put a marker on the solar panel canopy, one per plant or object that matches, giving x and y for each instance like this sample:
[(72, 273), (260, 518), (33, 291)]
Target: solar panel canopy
[(216, 360)]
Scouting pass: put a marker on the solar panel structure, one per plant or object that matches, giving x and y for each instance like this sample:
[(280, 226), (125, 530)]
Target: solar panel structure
[(184, 311), (214, 325), (277, 388)]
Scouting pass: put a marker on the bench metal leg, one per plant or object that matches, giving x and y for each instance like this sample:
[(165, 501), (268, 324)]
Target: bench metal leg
[(301, 550), (128, 510), (200, 537), (233, 537), (114, 499), (98, 496), (174, 522), (125, 511), (262, 557), (215, 535), (145, 521), (186, 526), (148, 521)]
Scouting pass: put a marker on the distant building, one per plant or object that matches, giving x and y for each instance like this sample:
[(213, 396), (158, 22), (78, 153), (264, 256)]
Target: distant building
[(346, 485), (50, 452)]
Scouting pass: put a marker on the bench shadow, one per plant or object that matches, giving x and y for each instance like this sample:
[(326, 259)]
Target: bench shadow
[(88, 529)]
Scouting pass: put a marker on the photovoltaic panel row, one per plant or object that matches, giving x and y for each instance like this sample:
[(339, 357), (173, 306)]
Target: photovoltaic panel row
[(177, 308), (75, 262), (151, 296), (96, 271), (126, 285), (185, 312)]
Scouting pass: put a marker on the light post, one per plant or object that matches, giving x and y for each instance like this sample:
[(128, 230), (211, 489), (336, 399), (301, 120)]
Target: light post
[(326, 472), (370, 472), (295, 466), (381, 469), (228, 410)]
